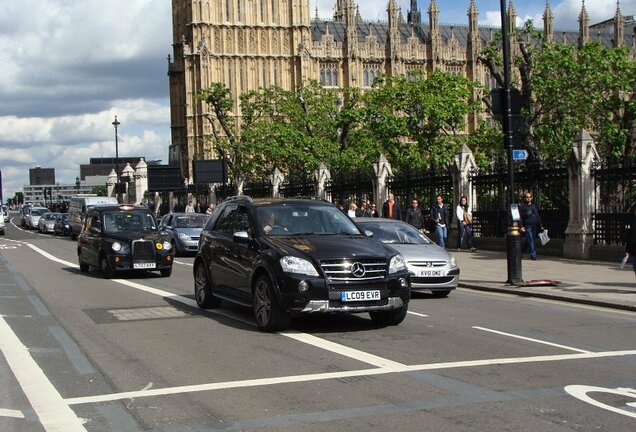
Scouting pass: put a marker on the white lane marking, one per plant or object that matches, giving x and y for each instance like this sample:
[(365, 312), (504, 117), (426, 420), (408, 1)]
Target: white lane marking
[(11, 413), (341, 349), (183, 263), (54, 414), (549, 301), (337, 375), (51, 257), (417, 314), (531, 339)]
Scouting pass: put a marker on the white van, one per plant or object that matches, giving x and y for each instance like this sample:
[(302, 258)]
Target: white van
[(77, 210)]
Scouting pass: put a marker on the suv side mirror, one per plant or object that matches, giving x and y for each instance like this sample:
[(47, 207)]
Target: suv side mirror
[(241, 237)]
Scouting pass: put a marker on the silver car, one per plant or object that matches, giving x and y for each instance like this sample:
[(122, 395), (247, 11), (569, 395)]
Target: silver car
[(46, 224), (432, 268), (32, 216), (185, 229)]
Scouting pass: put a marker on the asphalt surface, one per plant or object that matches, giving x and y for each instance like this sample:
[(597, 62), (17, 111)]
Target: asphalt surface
[(584, 282)]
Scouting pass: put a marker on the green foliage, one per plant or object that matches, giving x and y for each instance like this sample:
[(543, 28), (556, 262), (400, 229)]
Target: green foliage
[(99, 190)]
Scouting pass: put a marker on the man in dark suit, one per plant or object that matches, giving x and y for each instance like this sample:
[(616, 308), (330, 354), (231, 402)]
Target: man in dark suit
[(441, 216), (391, 208), (530, 223)]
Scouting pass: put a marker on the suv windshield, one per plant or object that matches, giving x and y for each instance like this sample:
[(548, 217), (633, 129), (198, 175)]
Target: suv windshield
[(132, 220), (191, 221), (303, 218)]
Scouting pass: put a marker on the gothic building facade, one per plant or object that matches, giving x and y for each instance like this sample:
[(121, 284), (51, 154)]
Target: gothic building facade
[(249, 44)]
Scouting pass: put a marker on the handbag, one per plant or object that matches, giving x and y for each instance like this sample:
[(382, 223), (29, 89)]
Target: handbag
[(468, 218), (543, 237)]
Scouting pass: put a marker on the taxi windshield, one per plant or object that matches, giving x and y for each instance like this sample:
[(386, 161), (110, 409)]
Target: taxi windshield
[(126, 220)]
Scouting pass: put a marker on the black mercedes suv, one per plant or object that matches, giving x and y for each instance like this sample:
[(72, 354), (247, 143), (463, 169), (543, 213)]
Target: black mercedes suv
[(294, 256), (123, 237)]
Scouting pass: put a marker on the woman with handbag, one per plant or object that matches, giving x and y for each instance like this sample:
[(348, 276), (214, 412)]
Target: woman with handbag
[(464, 224)]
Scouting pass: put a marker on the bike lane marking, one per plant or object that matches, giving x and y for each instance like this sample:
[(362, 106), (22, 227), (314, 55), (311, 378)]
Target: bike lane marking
[(580, 392)]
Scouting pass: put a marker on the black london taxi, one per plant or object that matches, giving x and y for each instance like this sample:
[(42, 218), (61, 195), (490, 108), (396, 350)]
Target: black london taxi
[(123, 237)]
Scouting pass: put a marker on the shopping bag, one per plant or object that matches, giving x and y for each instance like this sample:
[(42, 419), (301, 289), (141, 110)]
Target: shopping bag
[(543, 236)]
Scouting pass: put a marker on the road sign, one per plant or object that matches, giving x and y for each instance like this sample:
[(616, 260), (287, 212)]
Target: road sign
[(519, 154)]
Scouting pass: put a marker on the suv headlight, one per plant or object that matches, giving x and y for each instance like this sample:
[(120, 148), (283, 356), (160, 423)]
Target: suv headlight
[(397, 264), (185, 237), (292, 264)]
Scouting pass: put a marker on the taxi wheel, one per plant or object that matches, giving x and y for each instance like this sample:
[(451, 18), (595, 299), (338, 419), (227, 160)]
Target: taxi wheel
[(166, 272), (105, 267), (202, 292), (389, 317), (269, 315), (82, 265)]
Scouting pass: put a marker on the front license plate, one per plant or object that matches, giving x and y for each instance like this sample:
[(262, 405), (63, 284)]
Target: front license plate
[(144, 265), (429, 273), (349, 296)]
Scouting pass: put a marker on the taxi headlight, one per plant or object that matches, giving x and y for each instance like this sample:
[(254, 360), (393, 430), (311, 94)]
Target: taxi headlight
[(292, 264), (166, 245), (116, 246), (397, 264)]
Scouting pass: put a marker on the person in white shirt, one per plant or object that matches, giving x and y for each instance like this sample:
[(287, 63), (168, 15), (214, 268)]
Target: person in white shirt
[(464, 224), (352, 210), (189, 208)]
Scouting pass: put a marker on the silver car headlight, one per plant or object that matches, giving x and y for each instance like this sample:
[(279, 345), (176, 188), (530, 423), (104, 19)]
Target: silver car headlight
[(185, 237), (453, 262), (397, 264), (116, 246), (292, 264)]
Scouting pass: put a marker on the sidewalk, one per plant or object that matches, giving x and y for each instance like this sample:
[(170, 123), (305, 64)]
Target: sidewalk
[(587, 282)]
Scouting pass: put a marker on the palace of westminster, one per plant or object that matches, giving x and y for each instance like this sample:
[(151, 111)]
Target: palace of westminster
[(250, 44)]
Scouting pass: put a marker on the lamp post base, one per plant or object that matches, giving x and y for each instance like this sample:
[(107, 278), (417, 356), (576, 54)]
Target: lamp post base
[(513, 249)]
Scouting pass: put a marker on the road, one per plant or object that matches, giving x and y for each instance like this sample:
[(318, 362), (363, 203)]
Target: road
[(82, 353)]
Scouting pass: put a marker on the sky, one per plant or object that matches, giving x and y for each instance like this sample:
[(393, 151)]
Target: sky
[(70, 66)]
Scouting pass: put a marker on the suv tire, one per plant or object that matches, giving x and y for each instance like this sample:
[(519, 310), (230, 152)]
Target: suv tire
[(389, 317), (270, 317), (202, 292)]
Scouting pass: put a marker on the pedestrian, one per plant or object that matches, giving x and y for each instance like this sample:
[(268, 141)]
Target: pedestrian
[(464, 224), (363, 210), (530, 223), (630, 239), (352, 210), (210, 209), (374, 211), (189, 208), (441, 216), (391, 208), (414, 215)]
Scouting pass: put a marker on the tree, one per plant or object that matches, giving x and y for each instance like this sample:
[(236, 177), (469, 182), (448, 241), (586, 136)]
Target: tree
[(421, 120), (99, 190)]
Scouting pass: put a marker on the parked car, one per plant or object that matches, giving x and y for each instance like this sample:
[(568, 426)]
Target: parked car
[(296, 256), (23, 214), (62, 226), (185, 229), (2, 226), (123, 237), (5, 213), (432, 268), (46, 223), (33, 215)]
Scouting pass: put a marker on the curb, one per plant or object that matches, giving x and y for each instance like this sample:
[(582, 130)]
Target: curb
[(520, 293)]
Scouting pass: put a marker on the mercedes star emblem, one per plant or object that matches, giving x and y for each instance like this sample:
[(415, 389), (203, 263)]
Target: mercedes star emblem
[(357, 269)]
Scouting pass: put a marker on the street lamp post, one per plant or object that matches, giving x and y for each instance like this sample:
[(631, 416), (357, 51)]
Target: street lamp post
[(77, 184), (513, 239), (115, 124)]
